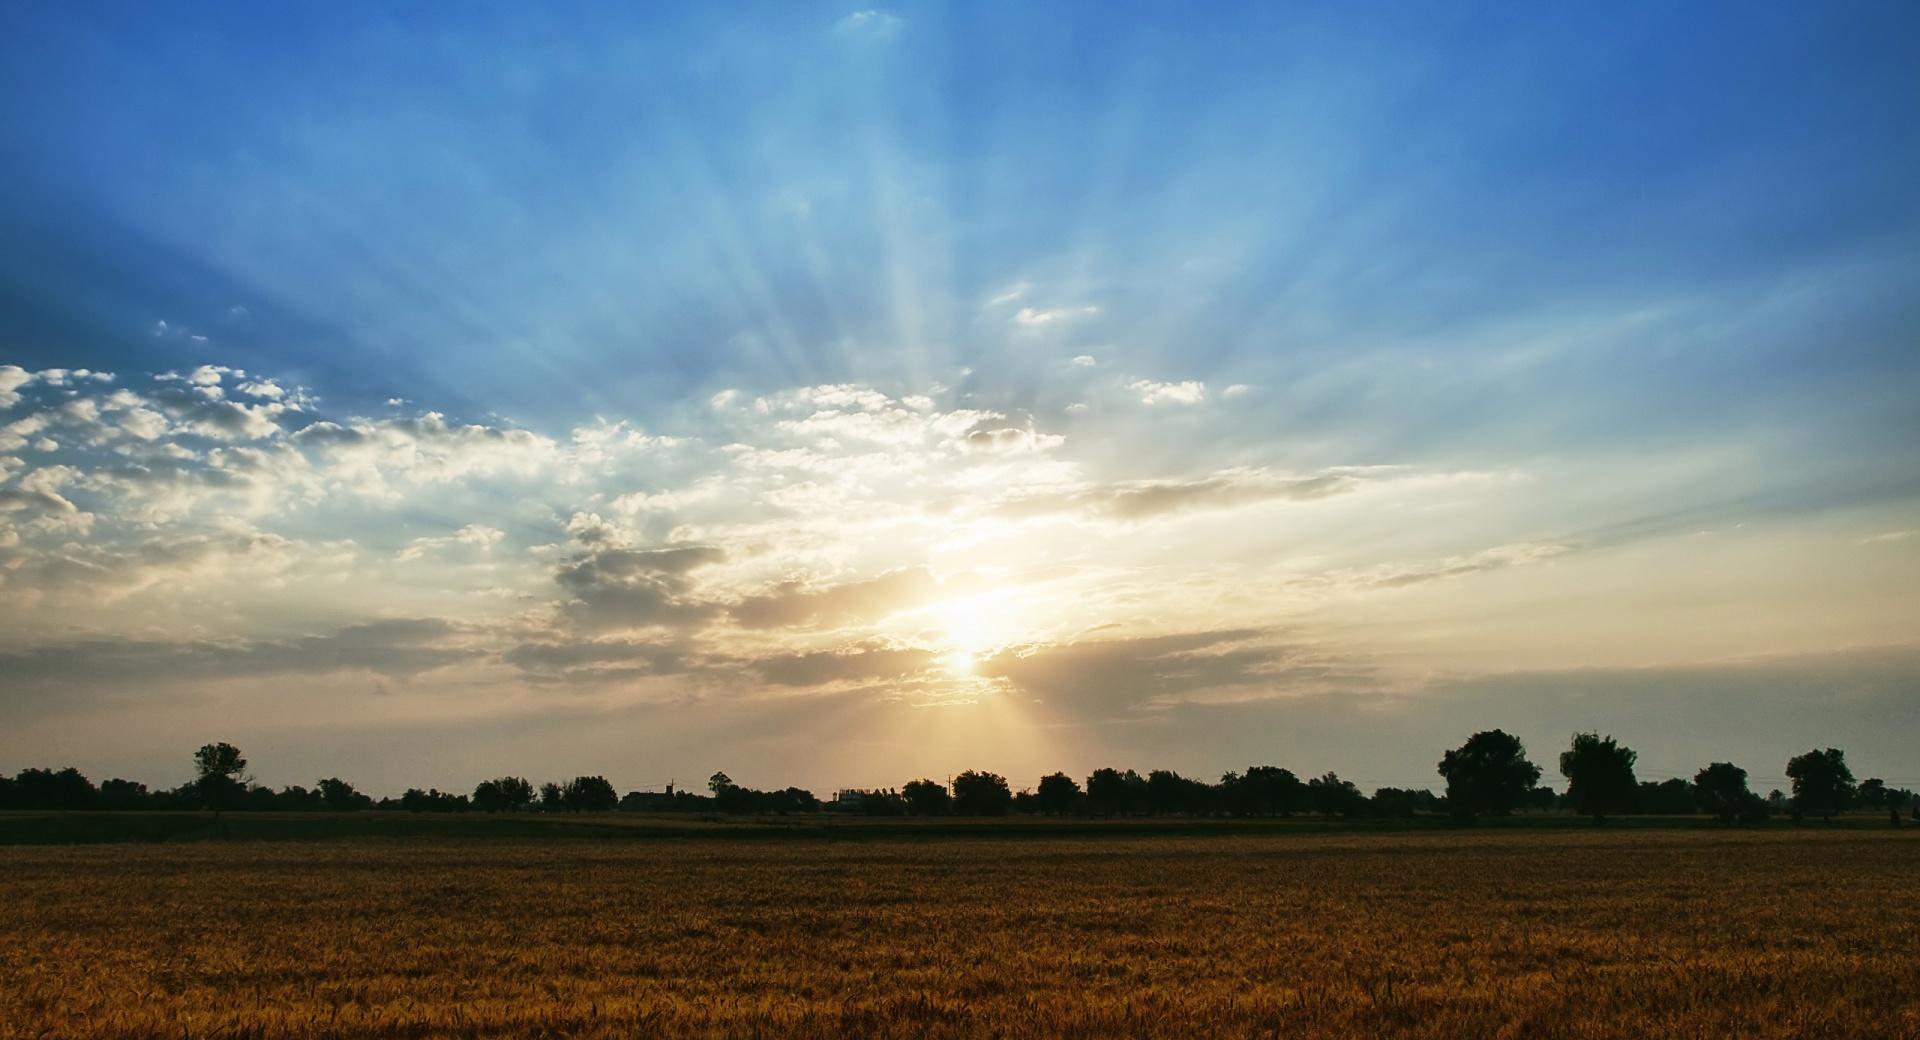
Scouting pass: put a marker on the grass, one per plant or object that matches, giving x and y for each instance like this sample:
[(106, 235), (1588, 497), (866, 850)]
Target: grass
[(1532, 932)]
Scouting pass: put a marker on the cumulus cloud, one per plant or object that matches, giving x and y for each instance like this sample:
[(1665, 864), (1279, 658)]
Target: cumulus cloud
[(1190, 391), (473, 536), (12, 378), (619, 588), (1009, 440)]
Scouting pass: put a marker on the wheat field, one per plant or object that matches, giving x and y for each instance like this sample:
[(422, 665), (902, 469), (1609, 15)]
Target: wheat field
[(1807, 932)]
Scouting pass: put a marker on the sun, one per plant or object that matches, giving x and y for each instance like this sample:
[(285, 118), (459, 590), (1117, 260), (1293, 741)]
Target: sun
[(969, 629)]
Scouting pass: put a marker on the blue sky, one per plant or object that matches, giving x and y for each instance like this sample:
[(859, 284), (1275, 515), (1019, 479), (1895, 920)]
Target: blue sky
[(1635, 272)]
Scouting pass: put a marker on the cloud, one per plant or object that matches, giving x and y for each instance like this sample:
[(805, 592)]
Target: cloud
[(1034, 317), (618, 588), (1085, 360), (869, 24), (1886, 538), (1104, 678), (12, 378), (476, 536), (1011, 294), (1148, 499), (795, 603), (1500, 557), (1236, 390), (1008, 440), (1152, 393), (598, 661), (397, 648), (861, 662)]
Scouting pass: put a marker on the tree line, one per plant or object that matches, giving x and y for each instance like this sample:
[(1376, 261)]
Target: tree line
[(1489, 775)]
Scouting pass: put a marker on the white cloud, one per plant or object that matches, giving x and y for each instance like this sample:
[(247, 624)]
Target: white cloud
[(1033, 317), (12, 378), (474, 536), (1887, 538), (1010, 294), (1085, 361), (870, 24), (1190, 391), (1236, 390)]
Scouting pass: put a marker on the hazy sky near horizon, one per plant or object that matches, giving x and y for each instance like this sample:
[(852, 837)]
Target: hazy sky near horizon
[(836, 395)]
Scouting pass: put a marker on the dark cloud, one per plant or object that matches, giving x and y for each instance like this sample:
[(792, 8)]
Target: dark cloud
[(635, 588), (1093, 679), (862, 662), (795, 603), (398, 648)]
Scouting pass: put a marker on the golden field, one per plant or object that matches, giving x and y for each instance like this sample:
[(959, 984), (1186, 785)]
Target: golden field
[(1512, 933)]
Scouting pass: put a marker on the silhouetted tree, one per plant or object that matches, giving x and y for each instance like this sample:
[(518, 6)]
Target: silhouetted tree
[(926, 798), (340, 796), (219, 775), (1331, 796), (1822, 783), (1058, 794), (884, 803), (553, 797), (503, 794), (729, 797), (1873, 793), (1671, 797), (1111, 792), (1401, 802), (1599, 775), (53, 789), (979, 793), (1263, 791), (1721, 790), (124, 794), (1488, 775), (433, 800), (589, 794), (1169, 792)]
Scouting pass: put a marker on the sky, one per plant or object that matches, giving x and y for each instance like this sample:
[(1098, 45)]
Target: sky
[(835, 396)]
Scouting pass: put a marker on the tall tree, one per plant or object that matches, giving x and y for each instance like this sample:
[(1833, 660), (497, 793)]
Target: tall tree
[(980, 793), (220, 775), (1331, 796), (1599, 775), (503, 794), (590, 794), (1111, 792), (1058, 794), (340, 796), (1488, 775), (1721, 789), (1822, 783), (926, 798)]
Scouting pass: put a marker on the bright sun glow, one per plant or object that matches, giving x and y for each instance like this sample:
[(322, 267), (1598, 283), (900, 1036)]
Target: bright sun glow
[(969, 629)]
